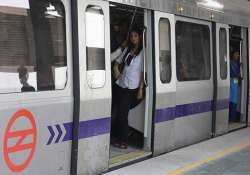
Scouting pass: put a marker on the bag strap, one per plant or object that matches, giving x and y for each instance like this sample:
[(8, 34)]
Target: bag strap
[(125, 55)]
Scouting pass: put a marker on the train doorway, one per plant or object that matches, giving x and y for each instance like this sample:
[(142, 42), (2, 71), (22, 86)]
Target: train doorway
[(124, 22), (232, 78), (238, 78)]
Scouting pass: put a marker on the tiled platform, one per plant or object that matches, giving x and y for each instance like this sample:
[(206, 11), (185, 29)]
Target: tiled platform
[(235, 164), (225, 155)]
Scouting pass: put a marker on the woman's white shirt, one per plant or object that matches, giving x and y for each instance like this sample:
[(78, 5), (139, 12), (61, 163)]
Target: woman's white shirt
[(131, 74)]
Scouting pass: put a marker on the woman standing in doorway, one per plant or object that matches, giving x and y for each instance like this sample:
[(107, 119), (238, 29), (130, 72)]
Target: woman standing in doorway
[(130, 85)]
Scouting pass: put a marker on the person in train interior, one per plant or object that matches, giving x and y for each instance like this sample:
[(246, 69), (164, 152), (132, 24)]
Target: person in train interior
[(182, 73), (23, 77), (234, 84), (119, 35), (129, 84)]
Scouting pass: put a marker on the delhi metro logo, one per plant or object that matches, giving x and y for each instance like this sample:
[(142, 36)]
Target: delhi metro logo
[(20, 140)]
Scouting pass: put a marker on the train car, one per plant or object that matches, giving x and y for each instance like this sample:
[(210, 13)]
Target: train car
[(56, 80)]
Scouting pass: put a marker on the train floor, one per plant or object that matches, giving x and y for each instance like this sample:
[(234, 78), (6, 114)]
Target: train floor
[(225, 155), (133, 152), (236, 125), (119, 156)]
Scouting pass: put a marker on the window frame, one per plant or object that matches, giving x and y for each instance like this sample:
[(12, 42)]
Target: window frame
[(65, 7), (219, 47), (86, 47), (170, 50), (162, 88), (200, 22), (43, 95)]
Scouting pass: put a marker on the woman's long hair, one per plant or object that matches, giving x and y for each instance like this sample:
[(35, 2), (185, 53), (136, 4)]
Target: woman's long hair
[(131, 46)]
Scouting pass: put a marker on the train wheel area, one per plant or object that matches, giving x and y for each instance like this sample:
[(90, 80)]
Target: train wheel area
[(224, 155)]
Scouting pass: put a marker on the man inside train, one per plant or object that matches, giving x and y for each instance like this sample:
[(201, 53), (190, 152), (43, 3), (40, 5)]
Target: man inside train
[(235, 78), (23, 77), (119, 34)]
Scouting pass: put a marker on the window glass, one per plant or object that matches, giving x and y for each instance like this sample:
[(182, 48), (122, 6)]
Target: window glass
[(32, 46), (95, 46), (165, 50), (223, 52), (192, 51)]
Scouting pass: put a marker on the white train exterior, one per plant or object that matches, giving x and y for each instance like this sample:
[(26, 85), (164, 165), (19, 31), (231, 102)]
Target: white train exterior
[(63, 127)]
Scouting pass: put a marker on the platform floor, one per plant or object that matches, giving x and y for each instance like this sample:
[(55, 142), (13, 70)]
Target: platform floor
[(235, 164), (224, 155)]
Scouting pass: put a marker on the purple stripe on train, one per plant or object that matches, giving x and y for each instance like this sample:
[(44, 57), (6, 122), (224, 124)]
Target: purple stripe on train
[(165, 115), (101, 126), (179, 111), (222, 104), (87, 129)]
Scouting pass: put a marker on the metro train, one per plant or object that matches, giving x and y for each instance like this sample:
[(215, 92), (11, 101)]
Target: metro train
[(56, 82)]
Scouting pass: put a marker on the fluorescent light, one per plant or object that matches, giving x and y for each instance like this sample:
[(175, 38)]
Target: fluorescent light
[(52, 14), (213, 4)]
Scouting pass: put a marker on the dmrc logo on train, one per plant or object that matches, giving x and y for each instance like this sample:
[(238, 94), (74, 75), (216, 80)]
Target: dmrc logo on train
[(20, 139)]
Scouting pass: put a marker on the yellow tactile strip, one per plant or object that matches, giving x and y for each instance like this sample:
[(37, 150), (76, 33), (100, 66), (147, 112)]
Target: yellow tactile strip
[(216, 156), (126, 157)]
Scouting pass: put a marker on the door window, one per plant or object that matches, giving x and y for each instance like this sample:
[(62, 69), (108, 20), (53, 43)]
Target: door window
[(165, 50), (95, 49), (223, 53), (192, 51)]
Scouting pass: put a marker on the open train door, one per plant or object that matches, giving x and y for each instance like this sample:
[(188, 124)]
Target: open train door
[(165, 79), (223, 79), (95, 86)]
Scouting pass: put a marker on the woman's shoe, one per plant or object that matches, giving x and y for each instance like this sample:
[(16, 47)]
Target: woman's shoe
[(116, 144), (123, 145)]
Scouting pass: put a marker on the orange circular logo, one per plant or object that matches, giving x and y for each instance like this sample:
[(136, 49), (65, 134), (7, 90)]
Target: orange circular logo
[(18, 141)]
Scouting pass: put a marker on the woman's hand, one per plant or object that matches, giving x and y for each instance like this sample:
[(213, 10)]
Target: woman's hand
[(140, 94), (117, 73)]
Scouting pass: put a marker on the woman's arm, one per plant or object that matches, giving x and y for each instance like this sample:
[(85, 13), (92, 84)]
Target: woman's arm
[(118, 52), (141, 85), (114, 55), (141, 90), (140, 93), (117, 73)]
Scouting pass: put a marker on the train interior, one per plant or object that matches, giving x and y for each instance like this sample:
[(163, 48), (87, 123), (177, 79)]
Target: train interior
[(122, 20), (238, 58)]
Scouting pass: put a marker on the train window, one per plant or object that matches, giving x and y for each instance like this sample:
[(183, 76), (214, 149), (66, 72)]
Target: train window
[(32, 46), (165, 50), (192, 51), (95, 46), (223, 52)]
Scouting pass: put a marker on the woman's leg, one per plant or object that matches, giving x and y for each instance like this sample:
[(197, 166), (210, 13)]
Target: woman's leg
[(116, 95), (123, 110)]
